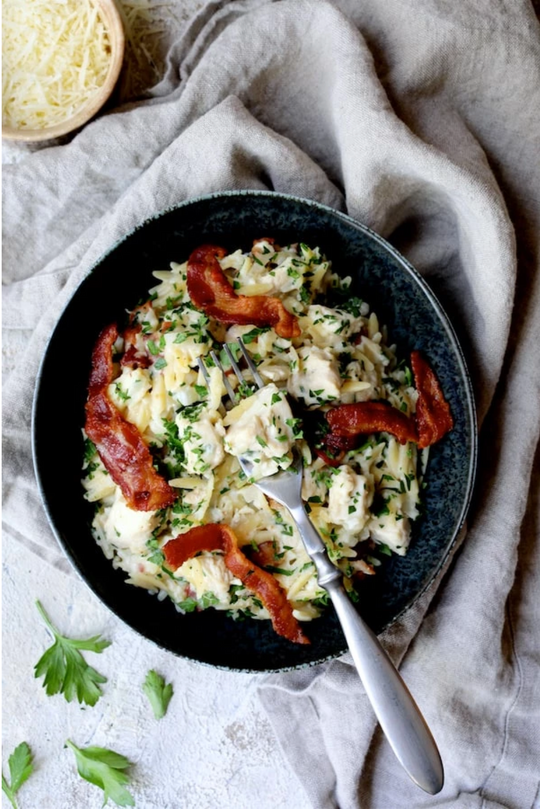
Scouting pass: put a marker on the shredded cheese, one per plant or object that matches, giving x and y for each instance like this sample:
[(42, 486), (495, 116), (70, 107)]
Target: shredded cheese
[(55, 57)]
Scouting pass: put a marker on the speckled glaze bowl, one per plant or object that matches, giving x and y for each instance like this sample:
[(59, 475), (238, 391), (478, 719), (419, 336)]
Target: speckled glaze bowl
[(415, 320)]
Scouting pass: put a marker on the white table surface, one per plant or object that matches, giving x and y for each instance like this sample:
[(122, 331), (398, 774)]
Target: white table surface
[(214, 748)]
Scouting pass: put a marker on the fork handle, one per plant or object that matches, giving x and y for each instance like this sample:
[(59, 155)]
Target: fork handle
[(397, 712)]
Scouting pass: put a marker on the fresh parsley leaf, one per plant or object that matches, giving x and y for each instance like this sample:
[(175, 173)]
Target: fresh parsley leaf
[(189, 605), (65, 670), (160, 363), (322, 601), (296, 427), (244, 391), (208, 600), (152, 348), (105, 769), (305, 567), (201, 390), (280, 570), (352, 305), (158, 692), (261, 441), (408, 376), (252, 335), (89, 450), (121, 393), (157, 558), (20, 768)]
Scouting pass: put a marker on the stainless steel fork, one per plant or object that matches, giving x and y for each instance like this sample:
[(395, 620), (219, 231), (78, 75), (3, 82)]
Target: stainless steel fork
[(397, 712)]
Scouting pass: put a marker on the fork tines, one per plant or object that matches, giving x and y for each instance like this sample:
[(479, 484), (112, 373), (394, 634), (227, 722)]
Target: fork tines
[(234, 365)]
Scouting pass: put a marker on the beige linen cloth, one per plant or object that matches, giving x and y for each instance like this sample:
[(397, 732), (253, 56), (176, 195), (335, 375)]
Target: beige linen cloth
[(422, 120)]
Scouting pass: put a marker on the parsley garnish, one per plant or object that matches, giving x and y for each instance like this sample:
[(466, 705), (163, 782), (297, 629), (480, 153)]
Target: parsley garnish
[(282, 571), (152, 348), (174, 444), (208, 600), (105, 769), (383, 510), (244, 391), (89, 450), (20, 769), (121, 393), (296, 427), (281, 459), (158, 692), (189, 605), (322, 601), (65, 670), (252, 335), (408, 376), (160, 363)]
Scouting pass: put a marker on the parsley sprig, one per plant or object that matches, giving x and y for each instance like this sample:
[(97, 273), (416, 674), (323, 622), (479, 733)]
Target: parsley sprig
[(65, 670), (20, 768), (158, 692), (105, 769)]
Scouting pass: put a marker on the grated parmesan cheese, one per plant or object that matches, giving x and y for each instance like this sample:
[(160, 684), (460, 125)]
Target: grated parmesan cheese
[(55, 57)]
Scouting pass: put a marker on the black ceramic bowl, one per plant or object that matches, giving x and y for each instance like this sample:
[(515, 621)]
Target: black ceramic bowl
[(415, 320)]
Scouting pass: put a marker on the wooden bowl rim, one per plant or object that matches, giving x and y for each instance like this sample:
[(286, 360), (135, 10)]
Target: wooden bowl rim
[(115, 29)]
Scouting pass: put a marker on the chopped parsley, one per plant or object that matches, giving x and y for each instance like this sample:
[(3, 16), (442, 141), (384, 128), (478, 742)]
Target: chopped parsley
[(280, 570), (252, 335)]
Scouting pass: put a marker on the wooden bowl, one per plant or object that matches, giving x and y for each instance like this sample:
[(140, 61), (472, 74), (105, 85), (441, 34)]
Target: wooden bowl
[(113, 22)]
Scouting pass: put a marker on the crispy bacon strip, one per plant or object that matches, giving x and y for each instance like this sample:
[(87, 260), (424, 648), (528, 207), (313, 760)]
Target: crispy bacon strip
[(433, 416), (119, 444), (210, 291), (214, 537), (132, 356), (350, 420)]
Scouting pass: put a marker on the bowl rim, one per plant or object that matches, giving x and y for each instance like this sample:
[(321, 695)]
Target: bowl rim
[(469, 409), (112, 19)]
